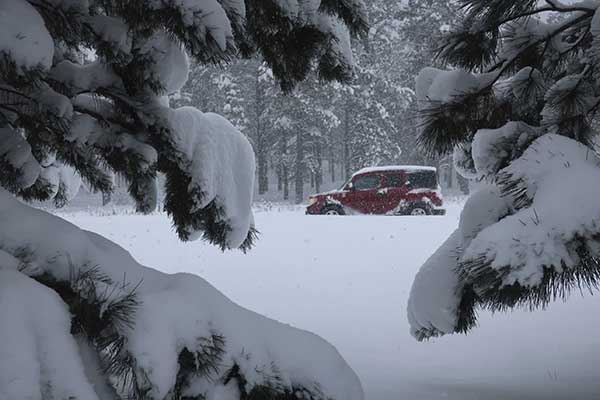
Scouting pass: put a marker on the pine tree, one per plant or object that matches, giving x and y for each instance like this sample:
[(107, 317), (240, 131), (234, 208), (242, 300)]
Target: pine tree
[(299, 123), (520, 115), (379, 97), (372, 138), (79, 318)]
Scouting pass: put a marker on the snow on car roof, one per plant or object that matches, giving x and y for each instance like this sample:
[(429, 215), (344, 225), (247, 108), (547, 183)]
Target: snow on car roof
[(409, 168)]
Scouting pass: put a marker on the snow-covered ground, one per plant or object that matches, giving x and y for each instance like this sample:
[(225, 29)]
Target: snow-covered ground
[(348, 278)]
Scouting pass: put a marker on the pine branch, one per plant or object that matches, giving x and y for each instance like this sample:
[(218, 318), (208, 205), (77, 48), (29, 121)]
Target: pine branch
[(102, 312), (272, 389), (465, 46), (346, 10), (204, 362), (444, 125), (556, 284), (468, 49)]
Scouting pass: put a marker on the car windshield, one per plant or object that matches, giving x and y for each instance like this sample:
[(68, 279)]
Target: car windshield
[(346, 184)]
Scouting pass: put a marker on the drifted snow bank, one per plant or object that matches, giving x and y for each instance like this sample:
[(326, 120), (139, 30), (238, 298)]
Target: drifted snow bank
[(40, 359), (433, 84), (537, 217)]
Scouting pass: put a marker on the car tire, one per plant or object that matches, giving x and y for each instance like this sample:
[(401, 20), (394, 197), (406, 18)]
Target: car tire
[(419, 209), (333, 210)]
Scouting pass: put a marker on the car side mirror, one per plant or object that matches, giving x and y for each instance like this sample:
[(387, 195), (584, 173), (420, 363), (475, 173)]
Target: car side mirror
[(350, 186)]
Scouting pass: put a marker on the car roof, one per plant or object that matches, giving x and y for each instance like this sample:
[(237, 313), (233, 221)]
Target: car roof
[(395, 168)]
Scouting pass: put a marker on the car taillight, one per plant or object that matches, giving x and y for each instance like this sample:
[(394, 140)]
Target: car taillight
[(438, 199)]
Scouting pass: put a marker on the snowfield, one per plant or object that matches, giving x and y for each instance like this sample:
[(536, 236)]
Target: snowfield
[(348, 279)]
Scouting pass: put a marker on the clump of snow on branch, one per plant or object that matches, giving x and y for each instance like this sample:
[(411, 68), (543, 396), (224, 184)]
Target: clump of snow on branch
[(555, 174), (170, 66), (340, 46), (220, 161), (434, 84), (485, 207), (16, 153), (491, 149), (23, 36), (84, 78), (436, 284), (112, 30), (207, 17)]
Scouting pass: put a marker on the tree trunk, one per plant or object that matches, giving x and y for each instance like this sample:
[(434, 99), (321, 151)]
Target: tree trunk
[(106, 198), (346, 142), (332, 169), (263, 171), (331, 154), (286, 183), (261, 142), (319, 171), (280, 178), (463, 184), (299, 168)]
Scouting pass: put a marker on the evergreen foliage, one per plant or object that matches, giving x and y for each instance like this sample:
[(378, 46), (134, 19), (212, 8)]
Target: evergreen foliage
[(115, 97), (520, 115)]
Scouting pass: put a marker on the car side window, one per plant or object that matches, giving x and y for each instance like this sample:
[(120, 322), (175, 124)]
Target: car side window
[(368, 182), (394, 181), (421, 180)]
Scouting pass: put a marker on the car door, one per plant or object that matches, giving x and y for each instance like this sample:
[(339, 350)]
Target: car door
[(363, 196), (393, 191)]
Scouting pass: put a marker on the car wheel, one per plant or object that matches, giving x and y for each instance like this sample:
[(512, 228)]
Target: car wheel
[(419, 210), (332, 210)]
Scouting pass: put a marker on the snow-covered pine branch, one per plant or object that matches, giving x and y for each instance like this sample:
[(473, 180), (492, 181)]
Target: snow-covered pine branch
[(83, 96), (521, 117), (110, 111), (82, 319)]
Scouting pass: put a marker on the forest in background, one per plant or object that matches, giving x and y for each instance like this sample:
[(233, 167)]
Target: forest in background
[(316, 136)]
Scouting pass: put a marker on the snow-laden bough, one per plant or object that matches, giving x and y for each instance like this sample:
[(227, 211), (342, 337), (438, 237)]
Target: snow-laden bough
[(155, 334), (527, 239)]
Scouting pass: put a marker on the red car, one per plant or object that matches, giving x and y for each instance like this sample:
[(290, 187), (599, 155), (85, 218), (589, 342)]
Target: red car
[(396, 190)]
